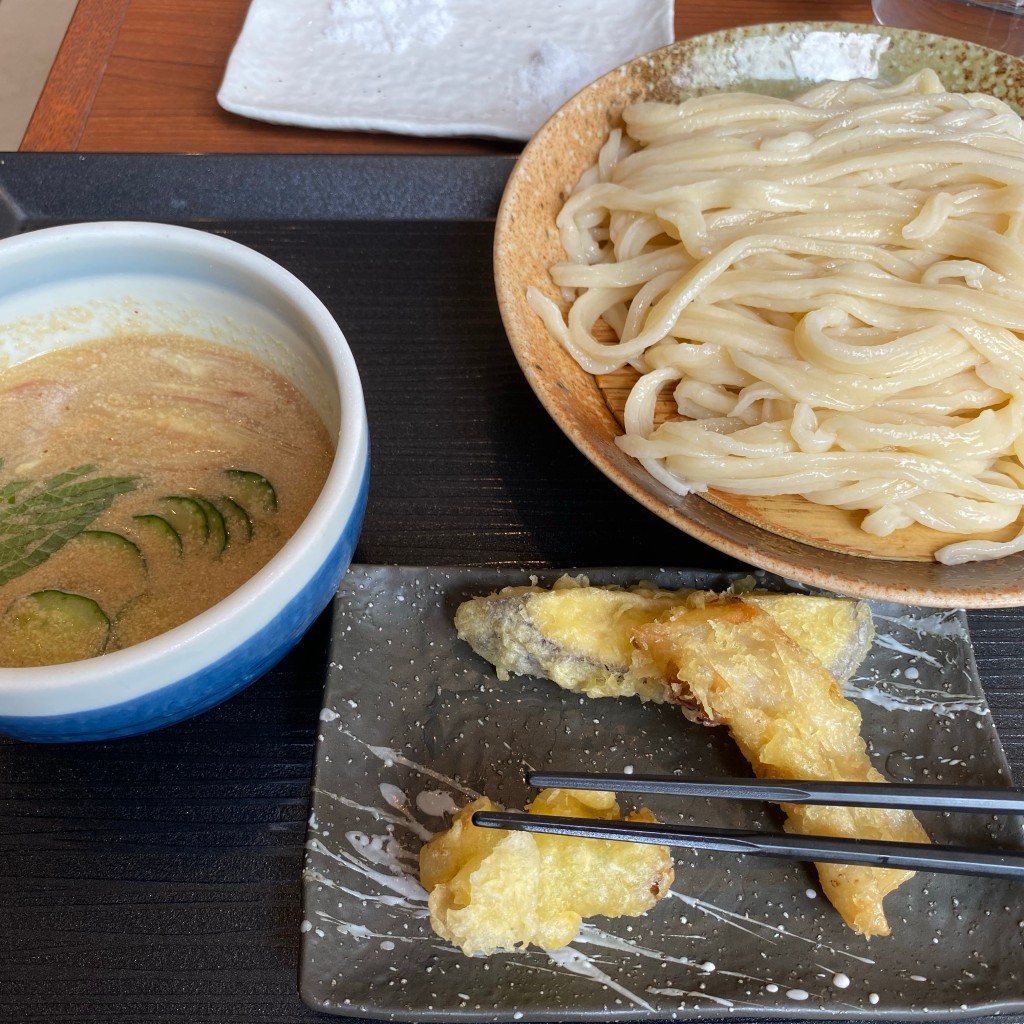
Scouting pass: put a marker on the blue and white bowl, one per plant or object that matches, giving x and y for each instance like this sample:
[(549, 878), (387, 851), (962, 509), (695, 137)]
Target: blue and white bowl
[(65, 285)]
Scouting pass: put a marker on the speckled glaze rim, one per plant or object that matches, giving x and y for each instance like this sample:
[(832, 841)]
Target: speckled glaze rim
[(526, 243)]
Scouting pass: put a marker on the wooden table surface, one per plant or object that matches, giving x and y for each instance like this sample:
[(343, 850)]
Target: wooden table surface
[(142, 76)]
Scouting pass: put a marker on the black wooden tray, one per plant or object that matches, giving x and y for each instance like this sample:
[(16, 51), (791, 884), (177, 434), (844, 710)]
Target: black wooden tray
[(156, 879)]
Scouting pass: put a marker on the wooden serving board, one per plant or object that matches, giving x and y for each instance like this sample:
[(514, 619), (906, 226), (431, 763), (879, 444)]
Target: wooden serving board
[(794, 517)]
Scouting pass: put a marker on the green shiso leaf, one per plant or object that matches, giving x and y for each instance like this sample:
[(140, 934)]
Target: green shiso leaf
[(38, 517)]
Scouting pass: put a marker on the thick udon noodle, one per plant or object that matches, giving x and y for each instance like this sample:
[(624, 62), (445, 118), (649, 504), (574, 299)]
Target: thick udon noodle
[(833, 288)]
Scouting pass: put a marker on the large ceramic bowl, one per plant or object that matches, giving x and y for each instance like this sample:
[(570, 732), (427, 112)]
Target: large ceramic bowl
[(788, 536), (65, 285)]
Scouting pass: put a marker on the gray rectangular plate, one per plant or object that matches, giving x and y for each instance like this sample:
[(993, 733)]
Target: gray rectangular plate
[(415, 723)]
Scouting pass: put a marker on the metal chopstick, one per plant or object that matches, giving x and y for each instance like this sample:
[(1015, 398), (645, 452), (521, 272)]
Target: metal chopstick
[(977, 799), (912, 856)]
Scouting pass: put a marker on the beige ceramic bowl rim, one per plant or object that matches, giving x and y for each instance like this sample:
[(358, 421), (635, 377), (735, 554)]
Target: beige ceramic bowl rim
[(950, 587)]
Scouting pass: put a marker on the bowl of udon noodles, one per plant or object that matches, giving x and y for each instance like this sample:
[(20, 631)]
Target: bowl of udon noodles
[(771, 282), (183, 474)]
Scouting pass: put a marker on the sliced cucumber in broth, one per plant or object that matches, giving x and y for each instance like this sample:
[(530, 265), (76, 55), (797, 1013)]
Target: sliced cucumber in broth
[(158, 529), (237, 520), (188, 518), (251, 490), (217, 530), (52, 626), (111, 544), (100, 585), (105, 565)]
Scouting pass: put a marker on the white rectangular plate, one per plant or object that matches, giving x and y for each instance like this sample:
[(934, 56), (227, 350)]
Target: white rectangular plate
[(431, 67)]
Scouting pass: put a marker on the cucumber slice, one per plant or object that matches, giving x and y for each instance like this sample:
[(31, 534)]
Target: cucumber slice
[(111, 544), (107, 566), (237, 520), (186, 515), (217, 527), (251, 490), (158, 528), (49, 627)]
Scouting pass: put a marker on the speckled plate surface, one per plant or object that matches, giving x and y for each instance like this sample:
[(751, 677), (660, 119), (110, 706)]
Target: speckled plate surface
[(430, 67), (812, 543), (414, 723)]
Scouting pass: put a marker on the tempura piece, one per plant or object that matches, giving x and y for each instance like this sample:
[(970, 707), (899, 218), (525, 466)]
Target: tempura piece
[(492, 890), (575, 635), (790, 720), (579, 636)]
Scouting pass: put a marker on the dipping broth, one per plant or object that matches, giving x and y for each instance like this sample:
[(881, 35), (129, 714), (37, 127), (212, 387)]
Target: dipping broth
[(142, 479)]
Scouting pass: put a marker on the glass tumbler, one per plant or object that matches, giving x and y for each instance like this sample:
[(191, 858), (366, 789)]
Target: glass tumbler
[(995, 23)]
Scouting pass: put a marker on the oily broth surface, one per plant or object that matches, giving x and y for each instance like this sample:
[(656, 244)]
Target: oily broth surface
[(174, 413)]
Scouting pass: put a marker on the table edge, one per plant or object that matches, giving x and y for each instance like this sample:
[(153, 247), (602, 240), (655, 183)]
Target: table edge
[(64, 106)]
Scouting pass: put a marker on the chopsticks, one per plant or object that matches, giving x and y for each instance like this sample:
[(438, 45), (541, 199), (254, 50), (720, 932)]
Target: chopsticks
[(785, 846), (978, 799)]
